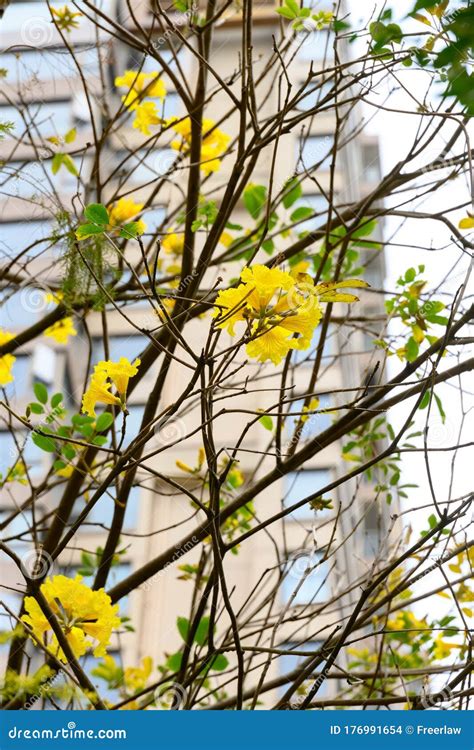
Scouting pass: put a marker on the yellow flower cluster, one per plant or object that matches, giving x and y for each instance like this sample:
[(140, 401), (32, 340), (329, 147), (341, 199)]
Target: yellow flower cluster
[(87, 618), (124, 211), (140, 85), (7, 361), (106, 374), (61, 331), (281, 312), (214, 142)]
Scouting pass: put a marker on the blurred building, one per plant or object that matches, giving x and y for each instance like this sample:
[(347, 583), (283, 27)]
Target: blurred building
[(43, 96)]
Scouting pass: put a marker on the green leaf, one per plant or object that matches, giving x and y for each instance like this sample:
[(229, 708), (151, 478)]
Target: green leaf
[(41, 392), (266, 422), (56, 163), (69, 164), (99, 440), (131, 230), (425, 400), (183, 627), (174, 661), (56, 400), (439, 404), (219, 663), (303, 212), (68, 451), (36, 408), (70, 135), (97, 214), (412, 349), (104, 421), (292, 191), (43, 442), (87, 230), (202, 631), (286, 12), (254, 198)]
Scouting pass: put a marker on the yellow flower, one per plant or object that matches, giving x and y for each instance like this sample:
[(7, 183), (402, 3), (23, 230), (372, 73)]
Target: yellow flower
[(119, 372), (184, 467), (7, 361), (214, 142), (307, 410), (226, 239), (442, 649), (146, 114), (135, 678), (276, 306), (466, 223), (173, 243), (140, 85), (98, 392), (61, 330), (65, 19), (87, 618), (124, 211)]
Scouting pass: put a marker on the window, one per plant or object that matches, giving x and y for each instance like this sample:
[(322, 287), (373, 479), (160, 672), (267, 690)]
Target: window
[(48, 64), (317, 46), (299, 485), (19, 527), (310, 569), (316, 150), (319, 204), (134, 420), (315, 423), (289, 662), (21, 385), (39, 118), (153, 218), (318, 89), (119, 346), (102, 512), (145, 166), (20, 309), (9, 453), (372, 530), (308, 355)]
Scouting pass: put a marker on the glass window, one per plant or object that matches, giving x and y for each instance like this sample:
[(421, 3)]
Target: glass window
[(15, 237), (319, 204), (19, 527), (372, 530), (39, 118), (316, 46), (21, 385), (299, 485), (315, 423), (308, 355), (134, 420), (20, 309), (102, 512), (48, 64), (318, 90), (9, 453), (310, 569), (153, 218), (316, 149), (144, 166), (119, 346), (289, 662)]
